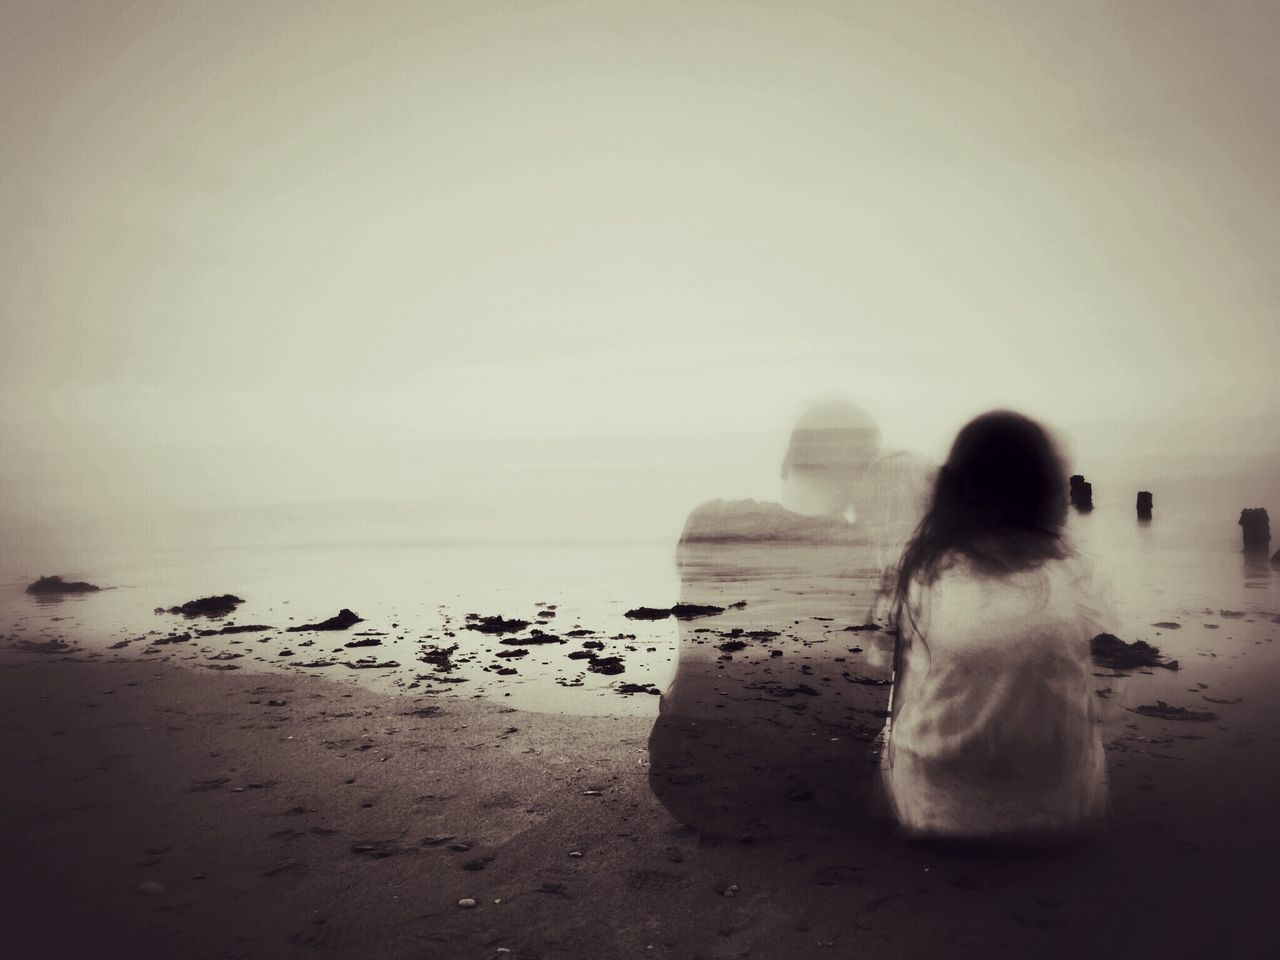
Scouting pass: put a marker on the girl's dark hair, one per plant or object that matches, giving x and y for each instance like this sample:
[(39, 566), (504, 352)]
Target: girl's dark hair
[(1000, 500)]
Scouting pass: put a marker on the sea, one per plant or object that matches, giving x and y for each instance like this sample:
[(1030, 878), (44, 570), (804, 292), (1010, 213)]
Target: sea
[(1180, 581)]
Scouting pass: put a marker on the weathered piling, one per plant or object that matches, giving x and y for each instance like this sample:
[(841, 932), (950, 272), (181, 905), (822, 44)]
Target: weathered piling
[(1144, 504), (1256, 528), (1081, 493)]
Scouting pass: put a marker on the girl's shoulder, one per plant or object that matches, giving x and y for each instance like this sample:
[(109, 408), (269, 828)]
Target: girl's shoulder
[(1055, 582), (971, 608), (1070, 567)]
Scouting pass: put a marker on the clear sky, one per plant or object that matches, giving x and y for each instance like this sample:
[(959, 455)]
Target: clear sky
[(242, 230)]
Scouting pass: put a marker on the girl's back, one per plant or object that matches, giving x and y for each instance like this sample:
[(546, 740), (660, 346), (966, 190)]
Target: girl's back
[(994, 730), (992, 733)]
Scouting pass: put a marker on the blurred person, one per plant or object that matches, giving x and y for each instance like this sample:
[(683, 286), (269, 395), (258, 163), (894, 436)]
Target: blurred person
[(993, 730), (771, 720), (838, 485)]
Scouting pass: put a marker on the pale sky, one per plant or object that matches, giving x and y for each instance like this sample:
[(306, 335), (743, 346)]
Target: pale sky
[(291, 226)]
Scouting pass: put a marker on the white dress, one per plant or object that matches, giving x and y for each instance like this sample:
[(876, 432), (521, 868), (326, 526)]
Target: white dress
[(995, 730)]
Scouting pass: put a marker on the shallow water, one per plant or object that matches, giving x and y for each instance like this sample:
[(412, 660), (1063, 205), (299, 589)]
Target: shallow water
[(1227, 605), (419, 595)]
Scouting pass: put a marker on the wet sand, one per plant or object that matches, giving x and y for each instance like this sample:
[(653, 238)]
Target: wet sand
[(159, 810)]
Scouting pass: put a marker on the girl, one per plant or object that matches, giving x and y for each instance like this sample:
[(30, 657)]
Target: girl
[(993, 732)]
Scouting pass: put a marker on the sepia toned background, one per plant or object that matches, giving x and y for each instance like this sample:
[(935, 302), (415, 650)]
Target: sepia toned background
[(443, 320), (565, 269)]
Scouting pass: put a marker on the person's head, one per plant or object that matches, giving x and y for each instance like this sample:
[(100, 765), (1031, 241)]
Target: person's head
[(831, 444), (999, 500)]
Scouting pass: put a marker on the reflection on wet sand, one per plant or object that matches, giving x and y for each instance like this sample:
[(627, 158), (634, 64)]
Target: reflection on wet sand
[(772, 723), (1257, 571)]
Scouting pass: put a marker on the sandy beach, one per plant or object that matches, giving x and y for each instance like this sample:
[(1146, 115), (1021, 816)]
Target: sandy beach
[(455, 457), (160, 810)]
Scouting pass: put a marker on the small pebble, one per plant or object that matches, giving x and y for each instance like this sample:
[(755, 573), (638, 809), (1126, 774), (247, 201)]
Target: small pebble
[(466, 903), (731, 890), (575, 853)]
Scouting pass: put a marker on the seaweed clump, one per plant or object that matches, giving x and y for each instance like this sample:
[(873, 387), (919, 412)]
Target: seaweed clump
[(1110, 651)]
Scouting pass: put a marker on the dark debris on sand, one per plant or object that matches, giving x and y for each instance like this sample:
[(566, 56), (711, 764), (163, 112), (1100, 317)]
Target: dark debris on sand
[(681, 611), (608, 666), (440, 658), (246, 628), (1164, 711), (342, 621), (535, 637), (649, 613), (626, 689), (206, 606), (495, 624), (172, 638), (691, 611), (1110, 651), (866, 681), (737, 633)]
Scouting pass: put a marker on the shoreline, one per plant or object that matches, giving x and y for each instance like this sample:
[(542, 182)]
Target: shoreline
[(293, 815)]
